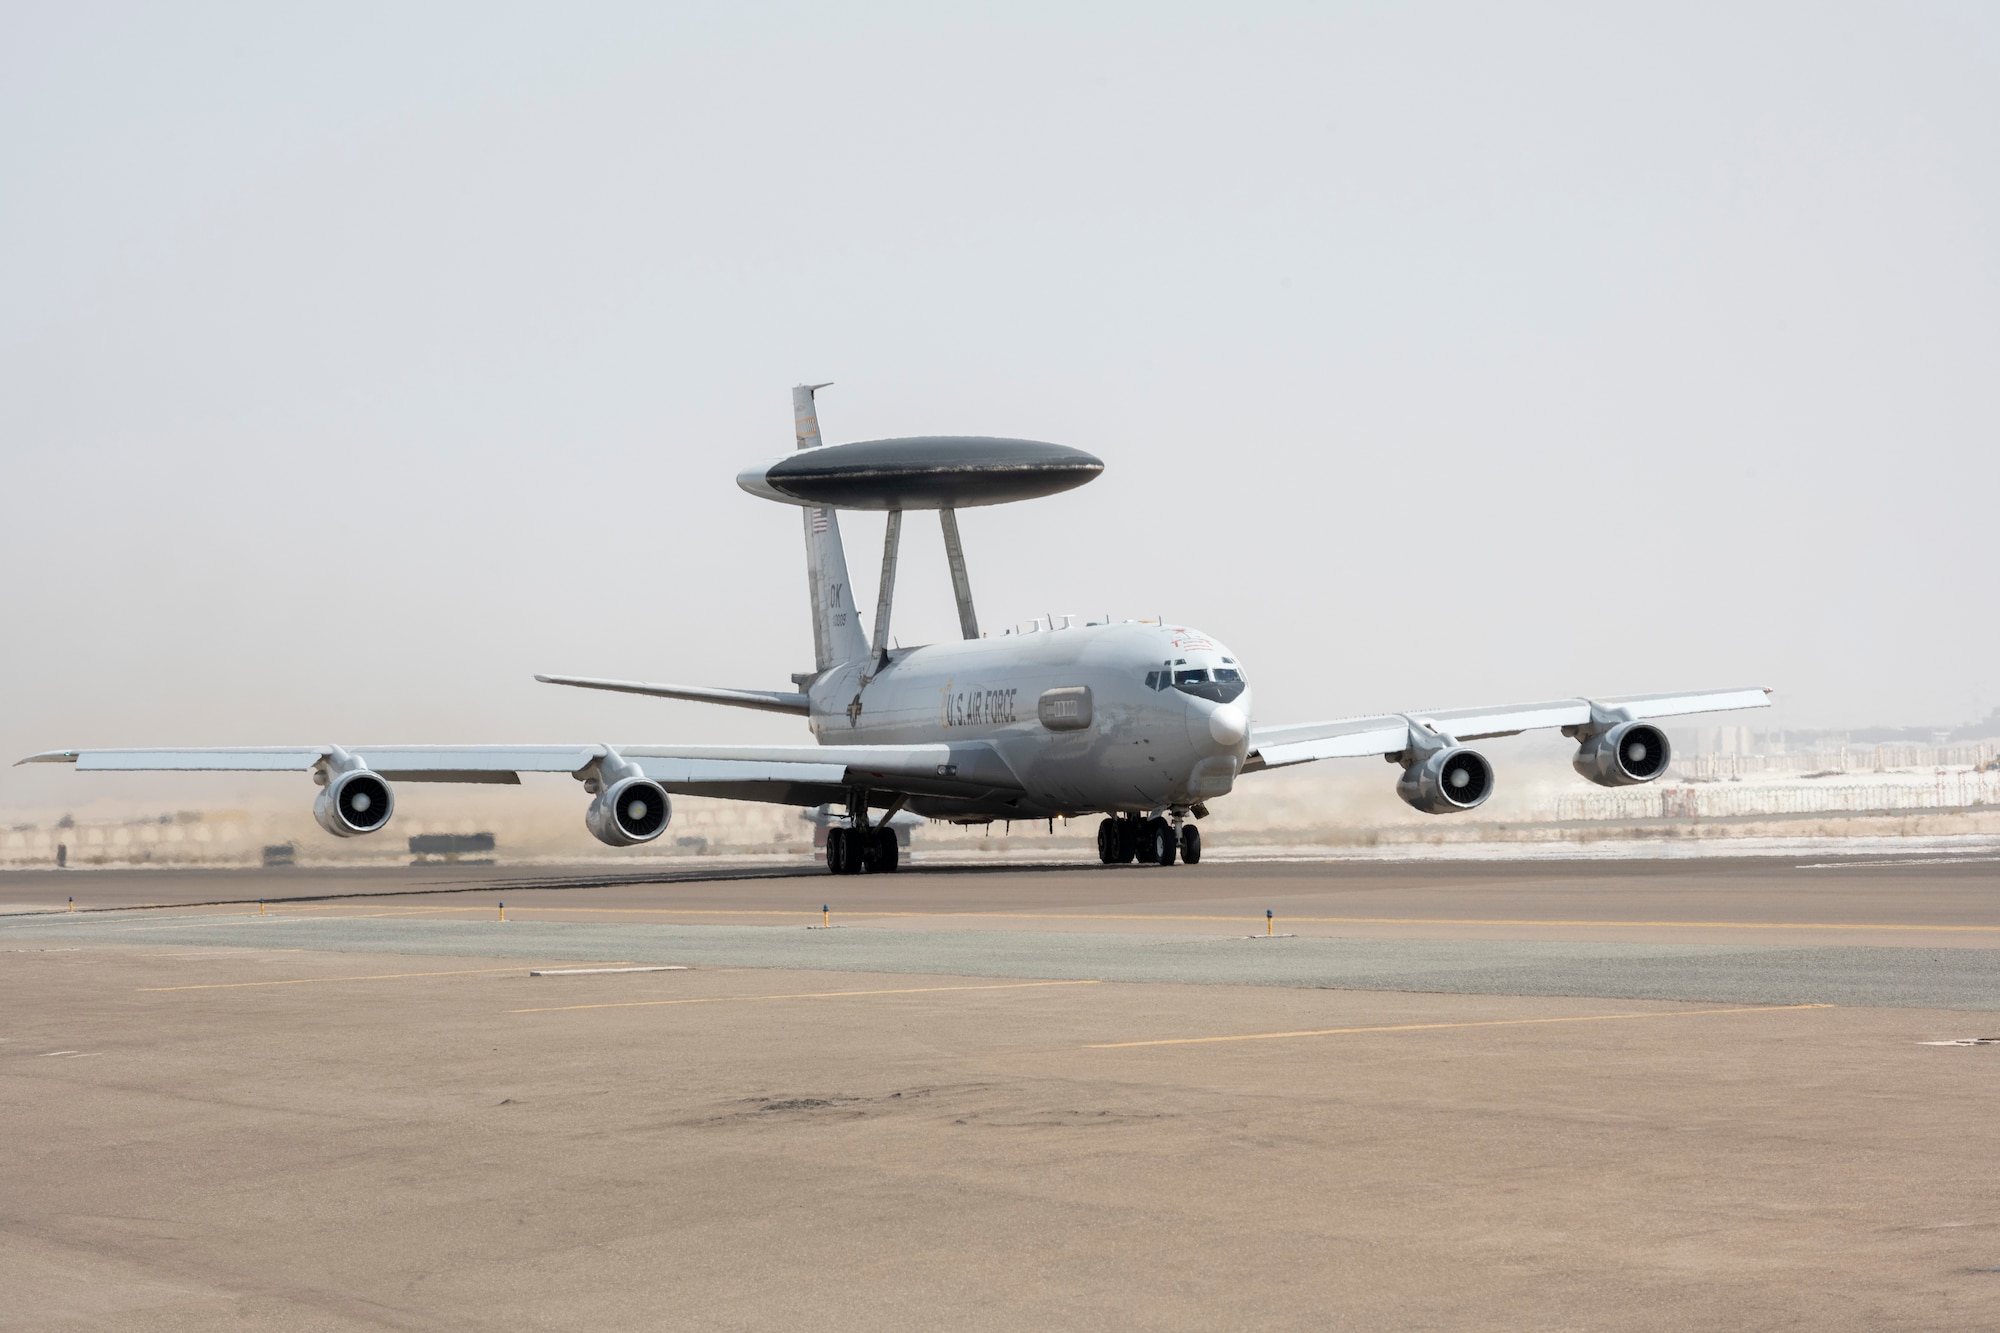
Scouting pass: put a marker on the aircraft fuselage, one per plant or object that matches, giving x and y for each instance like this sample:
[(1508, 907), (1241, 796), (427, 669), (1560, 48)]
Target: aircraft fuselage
[(1114, 717)]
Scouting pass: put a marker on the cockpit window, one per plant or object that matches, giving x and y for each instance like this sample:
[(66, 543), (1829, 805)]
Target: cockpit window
[(1226, 684)]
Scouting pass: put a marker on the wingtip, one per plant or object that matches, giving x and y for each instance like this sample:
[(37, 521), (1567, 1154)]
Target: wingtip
[(49, 757)]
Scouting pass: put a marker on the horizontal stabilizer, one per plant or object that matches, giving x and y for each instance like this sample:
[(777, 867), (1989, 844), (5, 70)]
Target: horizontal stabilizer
[(769, 701)]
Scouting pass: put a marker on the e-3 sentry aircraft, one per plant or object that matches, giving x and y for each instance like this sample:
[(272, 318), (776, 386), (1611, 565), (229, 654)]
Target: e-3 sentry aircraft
[(1142, 722)]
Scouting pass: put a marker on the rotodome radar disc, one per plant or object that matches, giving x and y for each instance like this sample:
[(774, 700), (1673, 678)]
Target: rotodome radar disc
[(922, 472)]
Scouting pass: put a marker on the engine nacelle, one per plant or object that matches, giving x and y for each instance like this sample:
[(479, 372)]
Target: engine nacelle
[(1627, 754), (629, 812), (353, 803), (1447, 781)]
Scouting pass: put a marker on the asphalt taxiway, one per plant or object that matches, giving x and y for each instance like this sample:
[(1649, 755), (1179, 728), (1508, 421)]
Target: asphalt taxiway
[(1471, 1095)]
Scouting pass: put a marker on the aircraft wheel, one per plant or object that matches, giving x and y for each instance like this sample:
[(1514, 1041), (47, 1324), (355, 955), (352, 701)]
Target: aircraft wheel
[(1158, 844), (843, 850), (887, 852), (1108, 842), (1128, 842), (1190, 844)]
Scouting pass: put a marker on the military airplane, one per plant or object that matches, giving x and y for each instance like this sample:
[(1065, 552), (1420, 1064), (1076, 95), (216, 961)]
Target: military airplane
[(1141, 722)]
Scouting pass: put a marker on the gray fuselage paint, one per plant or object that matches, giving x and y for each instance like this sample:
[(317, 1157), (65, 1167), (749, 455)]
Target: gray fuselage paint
[(1145, 748)]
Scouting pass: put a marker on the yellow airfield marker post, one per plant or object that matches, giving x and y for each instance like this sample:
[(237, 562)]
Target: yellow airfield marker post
[(503, 911), (1267, 920)]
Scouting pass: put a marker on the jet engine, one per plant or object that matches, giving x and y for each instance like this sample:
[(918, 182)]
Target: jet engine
[(1446, 781), (1629, 753), (629, 812), (353, 803)]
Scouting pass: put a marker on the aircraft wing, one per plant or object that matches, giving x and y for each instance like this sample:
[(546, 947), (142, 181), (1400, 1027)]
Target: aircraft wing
[(1275, 747), (784, 774)]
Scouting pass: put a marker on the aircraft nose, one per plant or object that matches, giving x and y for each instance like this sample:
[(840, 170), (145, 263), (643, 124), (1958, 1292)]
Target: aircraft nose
[(1216, 727)]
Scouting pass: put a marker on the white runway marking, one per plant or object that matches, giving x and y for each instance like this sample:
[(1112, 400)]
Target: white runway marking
[(1908, 861), (593, 971)]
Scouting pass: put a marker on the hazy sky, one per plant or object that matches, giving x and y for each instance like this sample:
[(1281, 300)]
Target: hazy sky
[(357, 362)]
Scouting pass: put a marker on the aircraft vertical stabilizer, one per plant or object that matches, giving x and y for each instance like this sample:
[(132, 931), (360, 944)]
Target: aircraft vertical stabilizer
[(837, 635)]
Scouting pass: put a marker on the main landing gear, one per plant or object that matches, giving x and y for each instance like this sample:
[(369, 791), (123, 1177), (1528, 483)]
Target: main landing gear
[(861, 848), (1152, 841), (857, 851)]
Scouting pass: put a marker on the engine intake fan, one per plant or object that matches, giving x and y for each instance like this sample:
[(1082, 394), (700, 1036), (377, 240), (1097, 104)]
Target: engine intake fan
[(1446, 781), (354, 803), (1624, 756), (629, 812)]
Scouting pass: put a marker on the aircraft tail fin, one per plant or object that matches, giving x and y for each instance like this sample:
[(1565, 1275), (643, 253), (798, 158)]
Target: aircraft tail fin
[(837, 635)]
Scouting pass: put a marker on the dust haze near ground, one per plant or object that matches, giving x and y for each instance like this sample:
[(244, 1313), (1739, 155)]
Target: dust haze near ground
[(357, 363)]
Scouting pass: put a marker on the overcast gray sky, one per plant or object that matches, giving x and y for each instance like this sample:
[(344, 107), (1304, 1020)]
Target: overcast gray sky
[(357, 362)]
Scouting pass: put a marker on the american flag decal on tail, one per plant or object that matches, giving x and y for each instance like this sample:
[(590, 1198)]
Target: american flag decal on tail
[(819, 521)]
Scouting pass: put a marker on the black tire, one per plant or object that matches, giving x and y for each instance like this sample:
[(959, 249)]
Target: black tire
[(1161, 842), (844, 849), (1190, 844), (1108, 842), (887, 851), (1128, 841)]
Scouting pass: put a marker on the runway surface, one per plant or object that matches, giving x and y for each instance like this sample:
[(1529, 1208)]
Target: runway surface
[(1632, 1095), (1915, 933), (1936, 899)]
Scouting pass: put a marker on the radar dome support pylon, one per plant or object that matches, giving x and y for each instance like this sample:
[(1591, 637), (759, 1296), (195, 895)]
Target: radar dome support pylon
[(961, 586), (942, 472)]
